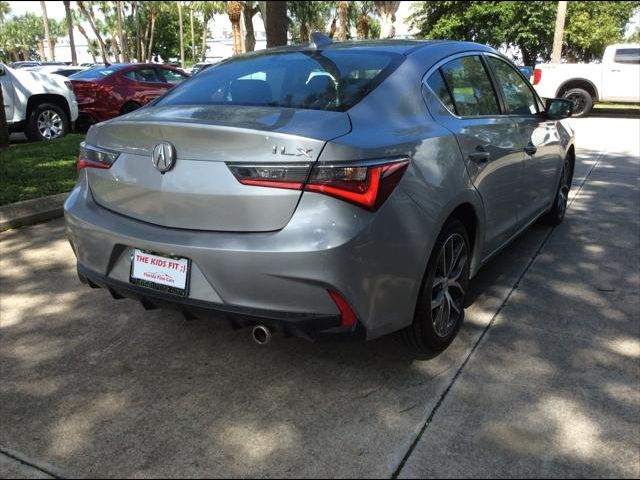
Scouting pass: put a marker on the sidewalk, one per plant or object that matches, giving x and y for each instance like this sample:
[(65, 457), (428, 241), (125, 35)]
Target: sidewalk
[(554, 388)]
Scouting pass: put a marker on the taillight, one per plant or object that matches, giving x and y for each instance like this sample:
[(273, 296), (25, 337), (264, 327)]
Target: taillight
[(94, 157), (537, 75), (366, 184)]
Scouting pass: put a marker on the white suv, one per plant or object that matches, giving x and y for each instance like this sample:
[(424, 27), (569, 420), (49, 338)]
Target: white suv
[(43, 106)]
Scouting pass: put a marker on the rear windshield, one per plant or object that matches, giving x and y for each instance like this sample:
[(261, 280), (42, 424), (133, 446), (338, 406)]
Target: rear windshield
[(95, 73), (331, 80)]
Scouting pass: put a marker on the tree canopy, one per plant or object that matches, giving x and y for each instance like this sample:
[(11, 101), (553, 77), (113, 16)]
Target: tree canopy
[(590, 25)]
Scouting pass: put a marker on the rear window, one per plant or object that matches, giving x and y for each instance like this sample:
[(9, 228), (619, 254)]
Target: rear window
[(95, 73), (330, 80), (627, 55)]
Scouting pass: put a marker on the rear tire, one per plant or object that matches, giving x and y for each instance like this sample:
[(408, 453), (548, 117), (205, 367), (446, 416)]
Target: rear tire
[(440, 310), (582, 100), (47, 121), (555, 216)]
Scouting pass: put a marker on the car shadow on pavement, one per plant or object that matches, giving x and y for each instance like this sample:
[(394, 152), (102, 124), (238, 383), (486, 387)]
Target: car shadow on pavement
[(103, 387)]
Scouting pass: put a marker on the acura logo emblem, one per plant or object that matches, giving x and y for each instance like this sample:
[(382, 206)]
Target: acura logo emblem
[(164, 157)]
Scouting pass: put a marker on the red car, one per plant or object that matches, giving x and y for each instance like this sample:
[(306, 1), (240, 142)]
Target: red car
[(105, 92)]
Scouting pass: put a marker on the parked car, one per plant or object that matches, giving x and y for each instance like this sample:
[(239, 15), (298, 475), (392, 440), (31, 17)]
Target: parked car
[(63, 70), (199, 67), (105, 92), (354, 202), (616, 79), (42, 106), (32, 63)]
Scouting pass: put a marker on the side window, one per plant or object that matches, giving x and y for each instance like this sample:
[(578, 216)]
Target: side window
[(173, 77), (438, 85), (518, 96), (143, 75), (469, 83), (627, 55)]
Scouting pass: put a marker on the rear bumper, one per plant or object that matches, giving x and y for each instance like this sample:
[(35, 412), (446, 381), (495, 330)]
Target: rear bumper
[(313, 327)]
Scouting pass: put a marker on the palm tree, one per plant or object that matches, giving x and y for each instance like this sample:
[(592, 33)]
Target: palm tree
[(87, 11), (387, 12), (123, 43), (343, 11), (556, 54), (72, 43), (250, 10), (5, 10), (47, 36), (153, 15), (208, 10), (77, 20), (276, 21), (181, 34), (193, 34), (234, 11)]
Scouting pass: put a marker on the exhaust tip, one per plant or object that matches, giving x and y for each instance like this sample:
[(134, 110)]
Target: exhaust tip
[(261, 335)]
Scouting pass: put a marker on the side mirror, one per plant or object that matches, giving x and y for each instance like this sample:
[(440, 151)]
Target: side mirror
[(559, 108)]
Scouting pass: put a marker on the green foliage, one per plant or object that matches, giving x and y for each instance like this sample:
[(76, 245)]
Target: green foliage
[(37, 169), (19, 37), (590, 25)]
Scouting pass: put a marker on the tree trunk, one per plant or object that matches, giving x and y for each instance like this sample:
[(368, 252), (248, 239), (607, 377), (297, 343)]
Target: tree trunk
[(249, 37), (181, 34), (556, 55), (4, 128), (47, 34), (72, 43), (83, 32), (193, 36), (205, 33), (387, 12), (135, 8), (343, 9), (332, 28), (123, 43), (43, 56), (276, 23), (89, 15), (362, 27), (234, 11), (153, 28)]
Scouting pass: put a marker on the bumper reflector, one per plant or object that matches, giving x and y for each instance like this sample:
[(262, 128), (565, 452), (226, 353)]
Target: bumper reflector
[(348, 315)]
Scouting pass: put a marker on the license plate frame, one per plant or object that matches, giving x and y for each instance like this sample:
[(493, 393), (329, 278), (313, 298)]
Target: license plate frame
[(155, 285)]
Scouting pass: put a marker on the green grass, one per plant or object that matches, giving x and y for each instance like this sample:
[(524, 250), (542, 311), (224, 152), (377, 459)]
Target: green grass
[(617, 106), (33, 170)]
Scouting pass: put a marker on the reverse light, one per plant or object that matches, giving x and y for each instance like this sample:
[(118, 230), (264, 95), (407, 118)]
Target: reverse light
[(94, 157), (366, 184), (537, 76)]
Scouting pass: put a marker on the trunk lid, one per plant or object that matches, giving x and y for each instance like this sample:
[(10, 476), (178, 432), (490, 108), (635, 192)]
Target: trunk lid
[(200, 192)]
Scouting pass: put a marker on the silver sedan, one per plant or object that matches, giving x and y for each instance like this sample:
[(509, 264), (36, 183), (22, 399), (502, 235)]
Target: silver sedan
[(326, 190)]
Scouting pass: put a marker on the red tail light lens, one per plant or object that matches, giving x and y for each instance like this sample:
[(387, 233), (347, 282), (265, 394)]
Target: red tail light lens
[(366, 184), (349, 318), (92, 157), (537, 76)]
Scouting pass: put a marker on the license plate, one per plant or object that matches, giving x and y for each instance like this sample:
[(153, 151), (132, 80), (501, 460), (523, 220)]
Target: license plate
[(160, 272)]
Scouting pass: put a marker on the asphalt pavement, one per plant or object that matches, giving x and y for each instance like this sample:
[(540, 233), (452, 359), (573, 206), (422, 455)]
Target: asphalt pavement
[(543, 381)]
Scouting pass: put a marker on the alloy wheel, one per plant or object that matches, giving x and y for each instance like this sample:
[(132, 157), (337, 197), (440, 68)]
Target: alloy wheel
[(447, 294), (579, 101), (50, 124)]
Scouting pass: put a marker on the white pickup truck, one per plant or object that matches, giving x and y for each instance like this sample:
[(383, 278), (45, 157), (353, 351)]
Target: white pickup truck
[(616, 79), (41, 105)]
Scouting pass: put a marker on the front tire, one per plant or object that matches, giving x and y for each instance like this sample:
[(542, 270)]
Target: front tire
[(583, 101), (440, 310), (47, 121)]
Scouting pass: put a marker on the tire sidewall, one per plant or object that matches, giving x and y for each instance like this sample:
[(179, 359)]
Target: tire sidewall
[(423, 321), (588, 100), (32, 128)]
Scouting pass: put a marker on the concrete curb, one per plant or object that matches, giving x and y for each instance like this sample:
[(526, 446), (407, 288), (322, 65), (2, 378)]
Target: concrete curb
[(29, 212)]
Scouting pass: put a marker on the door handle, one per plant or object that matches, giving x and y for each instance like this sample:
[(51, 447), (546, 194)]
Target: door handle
[(530, 149), (480, 155)]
